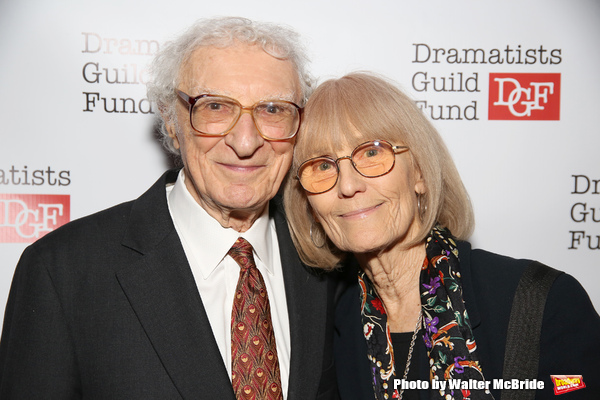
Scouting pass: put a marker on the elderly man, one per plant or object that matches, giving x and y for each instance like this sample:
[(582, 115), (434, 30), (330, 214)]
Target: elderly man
[(194, 290)]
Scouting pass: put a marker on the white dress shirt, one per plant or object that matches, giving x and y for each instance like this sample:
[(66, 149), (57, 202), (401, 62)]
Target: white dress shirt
[(206, 244)]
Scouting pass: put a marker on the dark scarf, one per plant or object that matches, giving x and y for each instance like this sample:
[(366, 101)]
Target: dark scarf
[(448, 336)]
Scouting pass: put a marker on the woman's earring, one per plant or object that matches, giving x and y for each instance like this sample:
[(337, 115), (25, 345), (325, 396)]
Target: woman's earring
[(312, 239)]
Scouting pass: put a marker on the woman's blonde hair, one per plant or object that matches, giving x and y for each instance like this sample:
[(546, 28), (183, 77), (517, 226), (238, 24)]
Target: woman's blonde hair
[(377, 109)]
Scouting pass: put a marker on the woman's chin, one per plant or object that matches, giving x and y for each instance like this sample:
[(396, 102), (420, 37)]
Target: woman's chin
[(363, 246)]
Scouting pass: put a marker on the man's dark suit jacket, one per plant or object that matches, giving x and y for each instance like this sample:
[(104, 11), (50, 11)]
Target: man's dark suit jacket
[(106, 307), (569, 344)]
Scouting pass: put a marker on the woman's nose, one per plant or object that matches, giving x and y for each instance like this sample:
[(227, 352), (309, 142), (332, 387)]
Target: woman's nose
[(349, 181)]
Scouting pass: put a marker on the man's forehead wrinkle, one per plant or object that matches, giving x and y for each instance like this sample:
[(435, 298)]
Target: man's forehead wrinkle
[(198, 90)]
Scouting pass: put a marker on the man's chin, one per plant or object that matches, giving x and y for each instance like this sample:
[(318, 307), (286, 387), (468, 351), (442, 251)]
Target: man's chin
[(244, 198)]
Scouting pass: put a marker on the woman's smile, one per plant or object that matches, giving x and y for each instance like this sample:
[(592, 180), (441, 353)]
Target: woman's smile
[(360, 213)]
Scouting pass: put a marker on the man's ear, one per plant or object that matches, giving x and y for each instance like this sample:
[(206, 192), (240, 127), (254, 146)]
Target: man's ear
[(169, 126)]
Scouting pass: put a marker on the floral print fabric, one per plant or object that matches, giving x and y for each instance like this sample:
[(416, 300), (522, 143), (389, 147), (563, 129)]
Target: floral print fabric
[(448, 336)]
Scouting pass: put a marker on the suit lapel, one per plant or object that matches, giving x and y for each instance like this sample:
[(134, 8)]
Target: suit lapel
[(163, 294), (306, 296)]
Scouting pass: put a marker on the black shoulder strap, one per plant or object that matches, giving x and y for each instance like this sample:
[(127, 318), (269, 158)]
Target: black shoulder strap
[(521, 358)]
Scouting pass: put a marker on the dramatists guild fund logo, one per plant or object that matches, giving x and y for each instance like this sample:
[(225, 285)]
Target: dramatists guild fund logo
[(524, 97), (25, 218)]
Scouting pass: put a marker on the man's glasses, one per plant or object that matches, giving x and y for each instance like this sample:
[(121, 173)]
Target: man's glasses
[(212, 115), (370, 159)]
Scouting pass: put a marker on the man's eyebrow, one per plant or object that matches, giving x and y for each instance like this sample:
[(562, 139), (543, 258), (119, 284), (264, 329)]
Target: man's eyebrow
[(290, 96), (196, 91)]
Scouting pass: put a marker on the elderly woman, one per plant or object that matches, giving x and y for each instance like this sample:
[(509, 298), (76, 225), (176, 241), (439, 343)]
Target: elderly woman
[(419, 308)]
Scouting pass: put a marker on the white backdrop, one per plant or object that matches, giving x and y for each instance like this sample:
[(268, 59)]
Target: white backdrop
[(531, 181)]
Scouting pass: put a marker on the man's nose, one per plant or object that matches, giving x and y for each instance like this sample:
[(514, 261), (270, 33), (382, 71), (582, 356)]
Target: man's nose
[(244, 138)]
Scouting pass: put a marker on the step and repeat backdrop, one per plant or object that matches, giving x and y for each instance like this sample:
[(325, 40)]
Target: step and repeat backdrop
[(512, 86)]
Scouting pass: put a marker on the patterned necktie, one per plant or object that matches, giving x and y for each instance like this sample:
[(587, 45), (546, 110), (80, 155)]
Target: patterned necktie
[(255, 368)]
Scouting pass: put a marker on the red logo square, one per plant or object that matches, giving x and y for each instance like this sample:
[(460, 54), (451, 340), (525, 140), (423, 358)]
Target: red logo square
[(24, 218), (524, 97)]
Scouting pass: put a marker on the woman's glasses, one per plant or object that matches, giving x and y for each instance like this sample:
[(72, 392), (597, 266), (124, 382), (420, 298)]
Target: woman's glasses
[(370, 159)]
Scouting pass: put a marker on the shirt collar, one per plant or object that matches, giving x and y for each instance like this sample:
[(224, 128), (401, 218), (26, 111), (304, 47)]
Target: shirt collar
[(208, 241)]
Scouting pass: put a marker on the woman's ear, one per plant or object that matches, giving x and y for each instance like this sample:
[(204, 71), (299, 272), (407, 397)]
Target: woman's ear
[(420, 186)]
